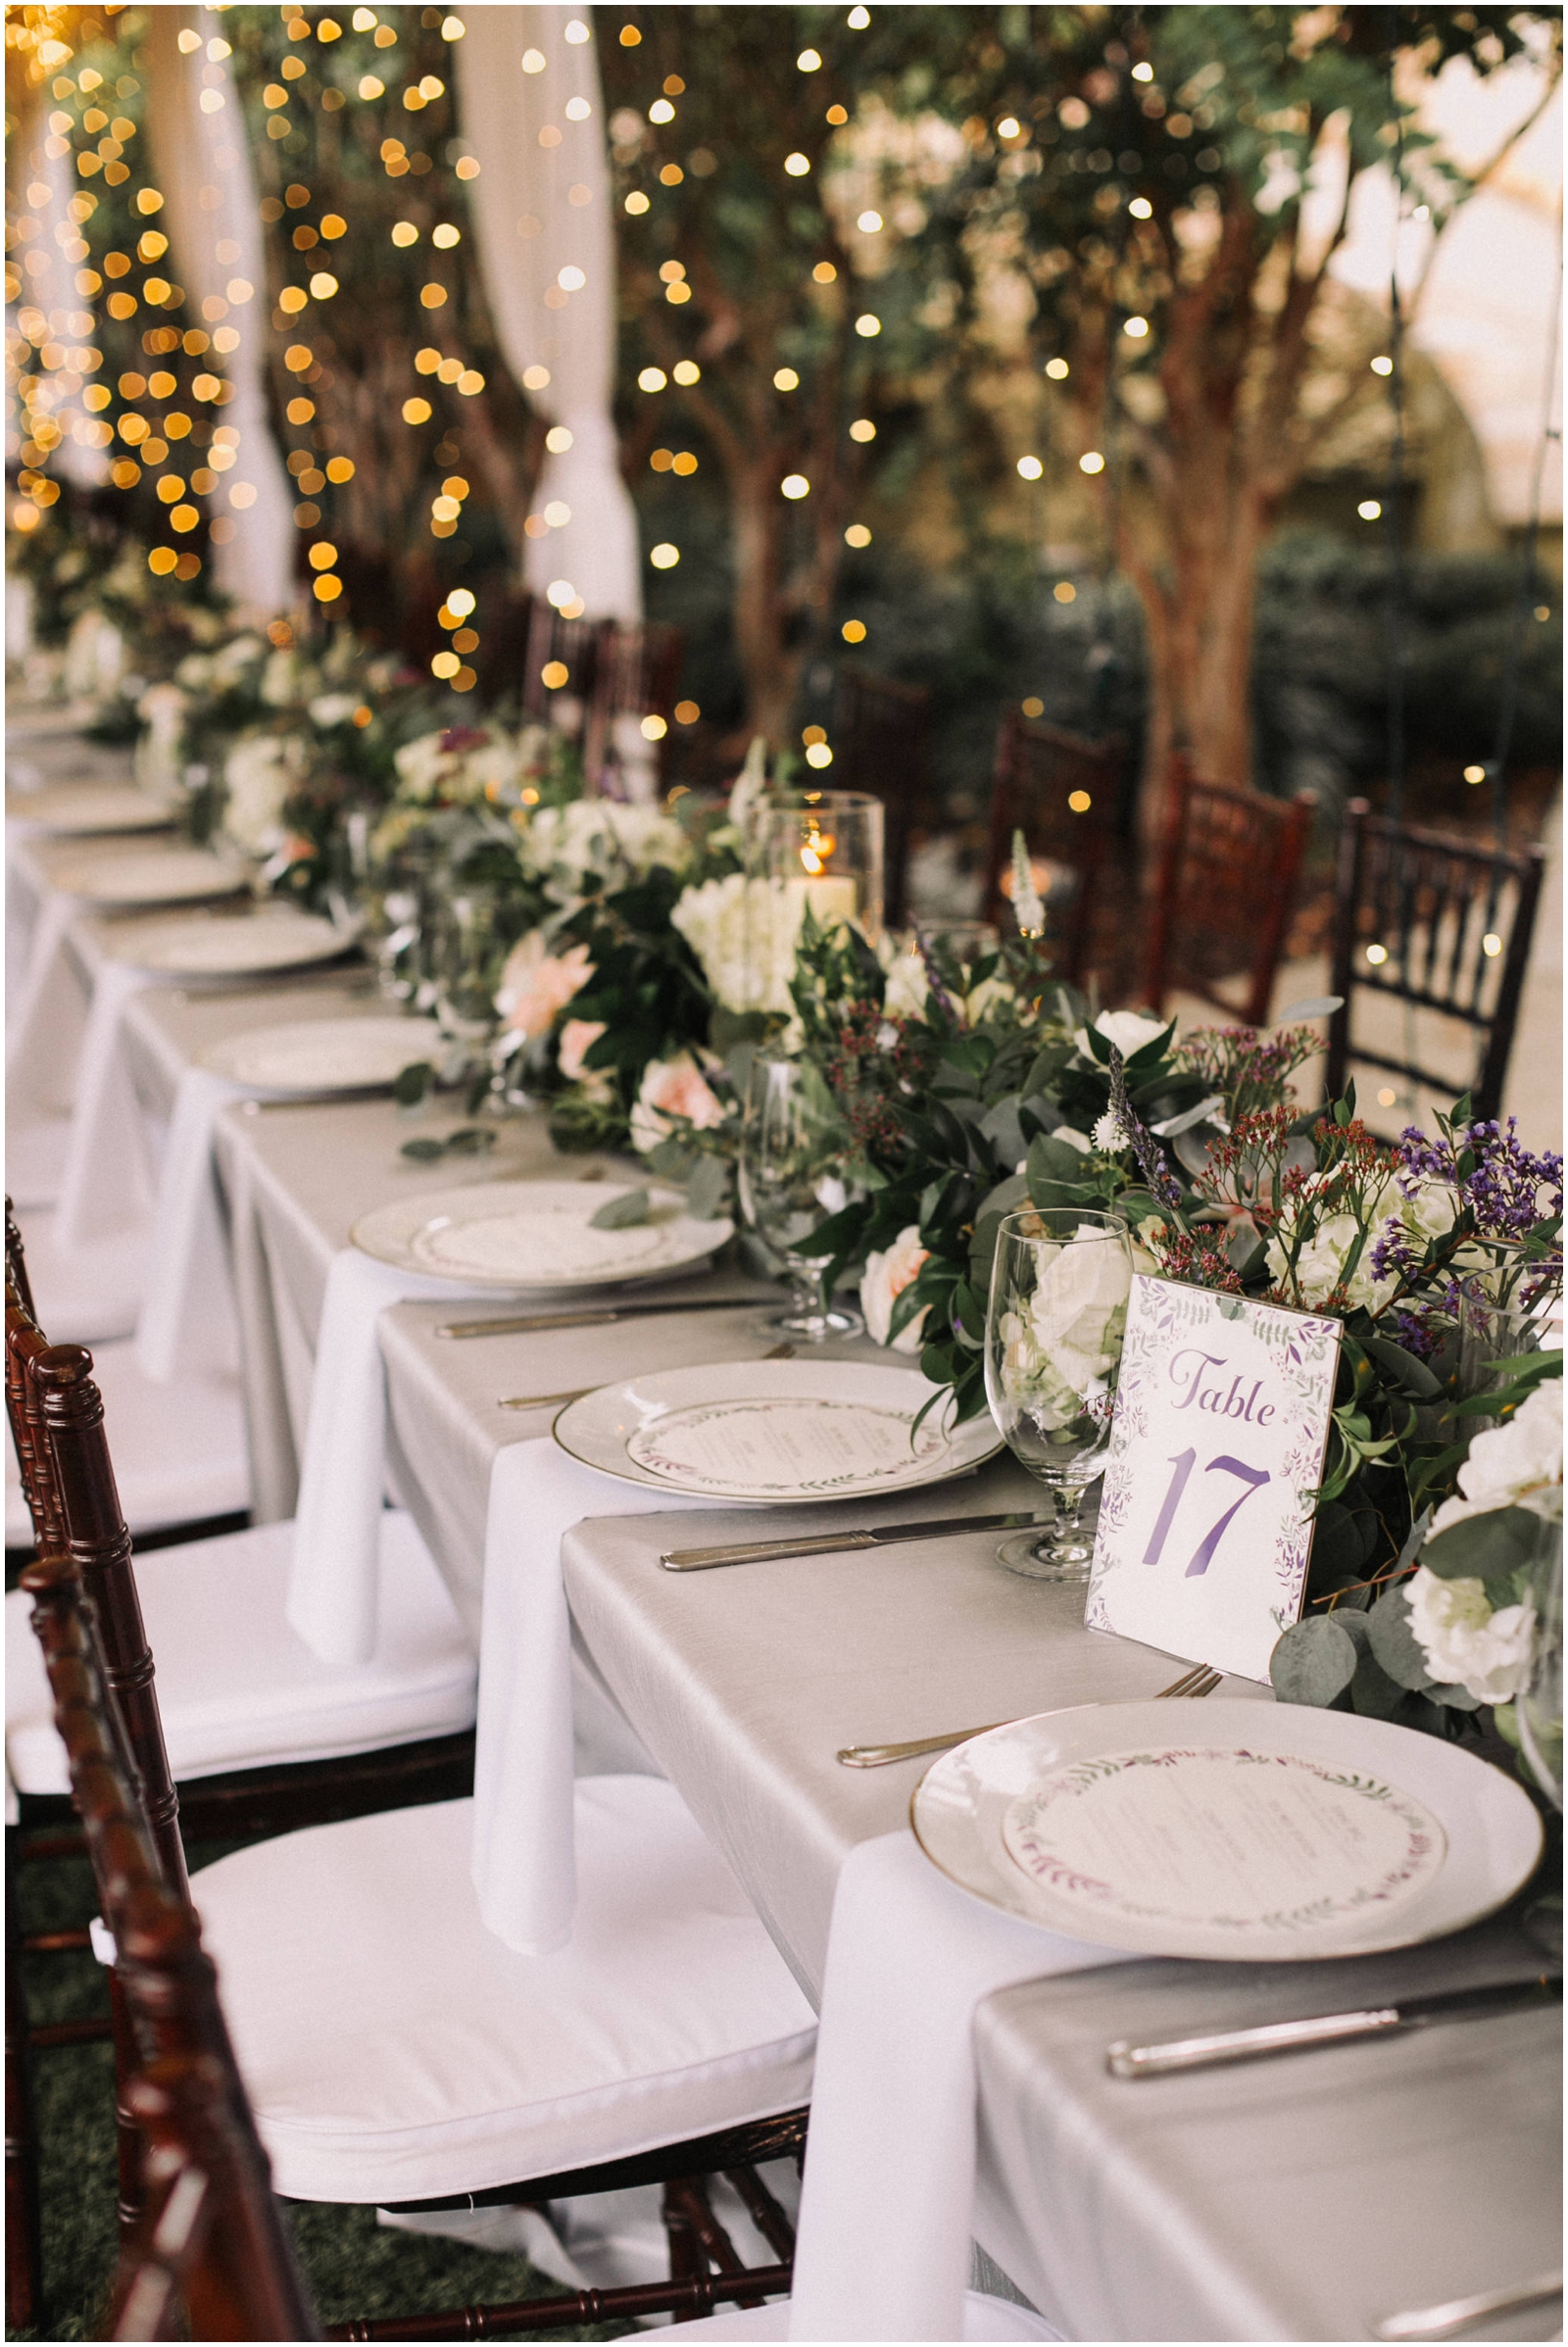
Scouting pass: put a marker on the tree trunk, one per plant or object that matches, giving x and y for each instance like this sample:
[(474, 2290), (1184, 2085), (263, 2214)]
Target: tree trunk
[(768, 667)]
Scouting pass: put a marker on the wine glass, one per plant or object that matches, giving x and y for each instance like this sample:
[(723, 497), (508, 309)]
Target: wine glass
[(1538, 1708), (794, 1147), (1057, 1313)]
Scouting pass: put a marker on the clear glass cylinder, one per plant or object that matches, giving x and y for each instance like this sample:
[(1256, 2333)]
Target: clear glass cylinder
[(817, 849), (1538, 1707)]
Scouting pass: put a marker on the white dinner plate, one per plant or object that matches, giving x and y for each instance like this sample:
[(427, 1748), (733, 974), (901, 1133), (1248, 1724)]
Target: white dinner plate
[(537, 1236), (143, 875), (1250, 1833), (228, 945), (323, 1055), (77, 810), (773, 1431)]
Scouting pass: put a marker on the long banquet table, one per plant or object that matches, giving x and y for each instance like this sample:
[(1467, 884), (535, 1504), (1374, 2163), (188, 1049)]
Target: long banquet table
[(1305, 2199)]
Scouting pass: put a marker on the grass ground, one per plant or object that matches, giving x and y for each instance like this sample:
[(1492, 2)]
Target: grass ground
[(351, 2266)]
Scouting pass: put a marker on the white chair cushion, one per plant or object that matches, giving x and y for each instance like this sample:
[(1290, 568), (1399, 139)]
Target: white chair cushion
[(180, 1451), (90, 1293), (984, 2318), (236, 1687), (395, 2050)]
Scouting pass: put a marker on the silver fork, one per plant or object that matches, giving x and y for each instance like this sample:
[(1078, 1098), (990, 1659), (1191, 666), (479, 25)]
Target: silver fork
[(1197, 1682), (559, 1401)]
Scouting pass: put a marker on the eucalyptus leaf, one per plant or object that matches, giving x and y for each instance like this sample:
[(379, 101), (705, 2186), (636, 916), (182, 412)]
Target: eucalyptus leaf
[(413, 1083), (707, 1190), (1007, 1197), (1314, 1007), (1002, 1128), (1314, 1663), (423, 1152), (471, 1141), (621, 1213), (1411, 1374), (1484, 1547), (1373, 1693), (1395, 1643)]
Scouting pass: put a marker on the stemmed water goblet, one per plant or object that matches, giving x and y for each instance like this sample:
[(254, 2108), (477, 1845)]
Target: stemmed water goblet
[(1057, 1313), (795, 1149)]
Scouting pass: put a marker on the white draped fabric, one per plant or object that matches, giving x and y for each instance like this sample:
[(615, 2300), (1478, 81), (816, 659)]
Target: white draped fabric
[(541, 210), (202, 166)]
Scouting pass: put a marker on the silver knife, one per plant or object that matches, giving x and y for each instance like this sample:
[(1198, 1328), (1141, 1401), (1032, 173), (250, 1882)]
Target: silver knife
[(588, 1316), (1127, 2060), (1462, 2314), (829, 1543)]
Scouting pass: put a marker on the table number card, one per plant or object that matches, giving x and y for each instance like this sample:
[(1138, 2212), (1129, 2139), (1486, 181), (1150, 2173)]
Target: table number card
[(1223, 1421)]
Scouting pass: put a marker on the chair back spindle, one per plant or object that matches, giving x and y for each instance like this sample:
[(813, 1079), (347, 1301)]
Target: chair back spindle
[(882, 727), (208, 2237), (637, 668), (1435, 924), (1229, 866), (1060, 791)]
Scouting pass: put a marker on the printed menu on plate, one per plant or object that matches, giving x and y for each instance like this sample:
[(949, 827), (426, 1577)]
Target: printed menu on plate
[(1205, 1522)]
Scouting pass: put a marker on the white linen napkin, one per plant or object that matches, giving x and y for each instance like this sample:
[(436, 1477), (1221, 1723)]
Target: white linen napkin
[(108, 1179), (187, 1317), (887, 2198), (333, 1579), (524, 1869)]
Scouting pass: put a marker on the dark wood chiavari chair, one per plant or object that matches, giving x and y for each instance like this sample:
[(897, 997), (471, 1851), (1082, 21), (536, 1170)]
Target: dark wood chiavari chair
[(1438, 925), (553, 645), (201, 2234), (1224, 892), (1061, 792), (637, 669), (881, 727), (80, 1583), (68, 1483)]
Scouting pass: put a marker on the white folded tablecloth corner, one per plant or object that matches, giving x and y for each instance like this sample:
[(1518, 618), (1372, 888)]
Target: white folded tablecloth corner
[(187, 1318), (108, 1179), (887, 2204), (334, 1575), (524, 1829)]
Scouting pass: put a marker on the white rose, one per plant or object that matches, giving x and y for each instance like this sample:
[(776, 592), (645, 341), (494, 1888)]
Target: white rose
[(1074, 1313), (886, 1277), (907, 988), (985, 998), (330, 709), (280, 679), (1128, 1030), (258, 777), (1518, 1463), (1466, 1644), (1320, 1264)]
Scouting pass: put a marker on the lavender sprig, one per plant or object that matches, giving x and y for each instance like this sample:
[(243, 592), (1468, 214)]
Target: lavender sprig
[(1138, 1138), (939, 993)]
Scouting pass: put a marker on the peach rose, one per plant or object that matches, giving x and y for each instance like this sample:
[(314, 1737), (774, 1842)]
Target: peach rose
[(671, 1088), (536, 986), (577, 1037)]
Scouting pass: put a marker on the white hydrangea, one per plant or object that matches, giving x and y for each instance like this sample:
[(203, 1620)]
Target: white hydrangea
[(602, 838), (744, 933), (1465, 1642), (259, 775), (157, 761)]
